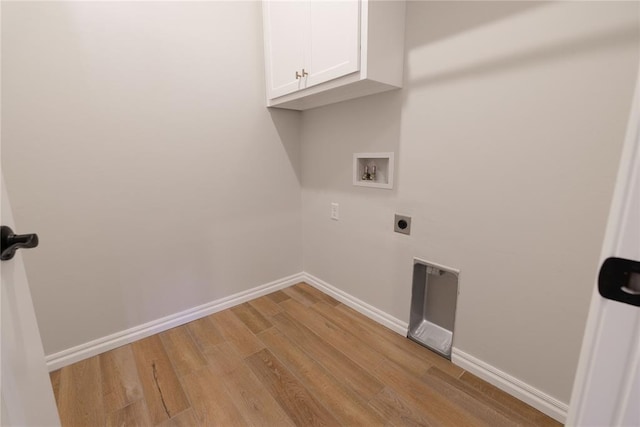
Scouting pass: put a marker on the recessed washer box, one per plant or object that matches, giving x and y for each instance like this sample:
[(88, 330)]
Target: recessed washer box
[(373, 170)]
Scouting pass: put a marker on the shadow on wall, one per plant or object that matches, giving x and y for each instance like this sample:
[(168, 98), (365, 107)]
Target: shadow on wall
[(461, 16), (287, 123), (477, 53)]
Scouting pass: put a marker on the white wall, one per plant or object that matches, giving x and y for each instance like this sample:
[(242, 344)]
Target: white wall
[(507, 136), (136, 143)]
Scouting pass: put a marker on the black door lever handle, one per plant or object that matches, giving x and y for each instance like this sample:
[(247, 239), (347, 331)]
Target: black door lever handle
[(11, 242), (619, 280)]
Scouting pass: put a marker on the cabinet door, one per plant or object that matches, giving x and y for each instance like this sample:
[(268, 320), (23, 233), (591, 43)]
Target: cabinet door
[(334, 44), (285, 30)]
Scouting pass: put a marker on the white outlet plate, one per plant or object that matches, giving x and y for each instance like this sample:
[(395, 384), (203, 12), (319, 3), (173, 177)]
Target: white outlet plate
[(335, 212)]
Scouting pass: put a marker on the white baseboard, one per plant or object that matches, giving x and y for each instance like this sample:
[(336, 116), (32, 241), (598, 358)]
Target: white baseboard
[(509, 384), (109, 342), (358, 305), (515, 387)]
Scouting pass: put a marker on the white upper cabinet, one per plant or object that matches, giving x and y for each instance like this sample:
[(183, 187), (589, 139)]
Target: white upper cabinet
[(318, 52), (310, 42), (285, 39), (333, 48)]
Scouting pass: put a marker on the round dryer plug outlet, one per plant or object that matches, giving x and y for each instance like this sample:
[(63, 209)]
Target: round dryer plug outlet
[(402, 224)]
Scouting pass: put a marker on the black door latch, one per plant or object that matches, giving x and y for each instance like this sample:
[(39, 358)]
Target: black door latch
[(619, 280), (11, 242)]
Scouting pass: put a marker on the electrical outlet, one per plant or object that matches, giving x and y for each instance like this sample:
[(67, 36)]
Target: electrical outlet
[(335, 213), (402, 224)]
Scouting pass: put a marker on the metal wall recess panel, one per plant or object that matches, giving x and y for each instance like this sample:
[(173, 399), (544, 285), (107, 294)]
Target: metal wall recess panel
[(434, 297)]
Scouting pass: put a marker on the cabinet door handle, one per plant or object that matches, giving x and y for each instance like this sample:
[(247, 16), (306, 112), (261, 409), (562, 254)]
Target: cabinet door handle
[(298, 75), (304, 73)]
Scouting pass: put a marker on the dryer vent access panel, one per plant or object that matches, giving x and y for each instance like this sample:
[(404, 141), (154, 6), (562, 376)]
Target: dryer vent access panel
[(434, 297)]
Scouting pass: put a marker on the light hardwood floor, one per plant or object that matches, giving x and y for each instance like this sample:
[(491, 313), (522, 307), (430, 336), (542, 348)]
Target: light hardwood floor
[(294, 357)]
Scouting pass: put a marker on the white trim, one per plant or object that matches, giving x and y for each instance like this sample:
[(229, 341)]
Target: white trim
[(109, 342), (602, 368), (515, 387), (360, 306)]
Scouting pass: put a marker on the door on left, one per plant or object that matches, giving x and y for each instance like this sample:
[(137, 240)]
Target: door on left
[(25, 388)]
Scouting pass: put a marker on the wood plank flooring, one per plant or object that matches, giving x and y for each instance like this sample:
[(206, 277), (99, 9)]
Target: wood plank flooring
[(294, 357)]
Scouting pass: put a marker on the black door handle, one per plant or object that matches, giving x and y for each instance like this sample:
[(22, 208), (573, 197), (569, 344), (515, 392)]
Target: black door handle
[(619, 280), (10, 242)]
